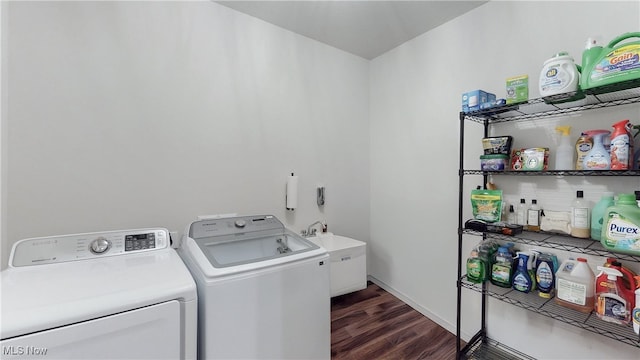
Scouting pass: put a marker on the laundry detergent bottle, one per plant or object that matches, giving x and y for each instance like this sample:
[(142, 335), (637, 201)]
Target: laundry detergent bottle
[(621, 226), (613, 67), (621, 146), (597, 214), (598, 157), (559, 75), (610, 306)]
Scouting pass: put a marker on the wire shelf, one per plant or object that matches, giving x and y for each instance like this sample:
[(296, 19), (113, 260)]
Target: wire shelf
[(556, 173), (557, 241), (486, 348), (541, 107), (480, 347), (549, 308)]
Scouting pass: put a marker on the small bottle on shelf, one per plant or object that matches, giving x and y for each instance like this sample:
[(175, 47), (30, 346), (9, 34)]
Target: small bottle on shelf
[(511, 217), (521, 214), (533, 216), (580, 217)]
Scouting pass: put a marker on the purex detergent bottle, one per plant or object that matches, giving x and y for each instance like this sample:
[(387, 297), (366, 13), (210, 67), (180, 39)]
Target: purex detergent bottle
[(621, 226)]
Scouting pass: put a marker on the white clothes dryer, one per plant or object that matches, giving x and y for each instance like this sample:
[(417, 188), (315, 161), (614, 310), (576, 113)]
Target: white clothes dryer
[(110, 295)]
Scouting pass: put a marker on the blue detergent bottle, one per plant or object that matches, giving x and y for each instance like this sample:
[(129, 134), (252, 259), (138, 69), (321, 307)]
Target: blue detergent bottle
[(546, 267), (522, 280)]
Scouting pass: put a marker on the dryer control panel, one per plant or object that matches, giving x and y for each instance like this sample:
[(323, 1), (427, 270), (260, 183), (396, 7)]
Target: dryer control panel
[(63, 248)]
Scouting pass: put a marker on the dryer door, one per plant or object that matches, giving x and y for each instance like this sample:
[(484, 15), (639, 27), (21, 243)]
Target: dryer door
[(151, 332)]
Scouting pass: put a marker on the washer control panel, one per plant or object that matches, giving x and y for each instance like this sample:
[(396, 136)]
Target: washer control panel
[(234, 225), (56, 249)]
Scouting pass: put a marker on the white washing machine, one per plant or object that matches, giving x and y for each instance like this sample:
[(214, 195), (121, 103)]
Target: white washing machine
[(263, 291), (109, 295)]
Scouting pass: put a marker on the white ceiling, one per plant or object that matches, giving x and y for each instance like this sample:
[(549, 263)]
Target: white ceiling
[(364, 28)]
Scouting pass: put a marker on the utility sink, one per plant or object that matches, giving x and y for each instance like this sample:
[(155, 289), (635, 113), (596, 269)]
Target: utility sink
[(348, 262)]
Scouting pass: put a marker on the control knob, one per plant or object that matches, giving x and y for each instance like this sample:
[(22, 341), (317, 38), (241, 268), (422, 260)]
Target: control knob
[(100, 245), (240, 223)]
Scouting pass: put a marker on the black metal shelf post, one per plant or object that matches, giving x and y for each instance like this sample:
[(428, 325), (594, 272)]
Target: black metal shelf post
[(480, 346)]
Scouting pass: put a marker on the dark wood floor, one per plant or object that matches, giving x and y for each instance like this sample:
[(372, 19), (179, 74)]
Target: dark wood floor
[(373, 324)]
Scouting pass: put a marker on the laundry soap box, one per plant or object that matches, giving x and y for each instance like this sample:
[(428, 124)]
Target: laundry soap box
[(517, 89), (474, 100), (497, 145)]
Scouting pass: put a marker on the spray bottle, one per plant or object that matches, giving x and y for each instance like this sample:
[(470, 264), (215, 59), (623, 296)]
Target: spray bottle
[(564, 154), (522, 279), (610, 306), (598, 157), (621, 146)]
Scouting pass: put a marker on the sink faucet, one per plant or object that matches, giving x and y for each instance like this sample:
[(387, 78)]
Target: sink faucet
[(311, 231)]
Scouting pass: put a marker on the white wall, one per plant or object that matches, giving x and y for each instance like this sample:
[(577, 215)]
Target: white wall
[(134, 114), (120, 115), (3, 141), (414, 106)]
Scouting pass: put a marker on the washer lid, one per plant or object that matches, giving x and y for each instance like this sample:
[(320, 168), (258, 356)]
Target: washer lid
[(239, 250), (36, 298), (221, 247)]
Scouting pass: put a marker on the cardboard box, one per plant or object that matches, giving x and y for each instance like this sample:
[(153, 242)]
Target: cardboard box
[(472, 100), (517, 89)]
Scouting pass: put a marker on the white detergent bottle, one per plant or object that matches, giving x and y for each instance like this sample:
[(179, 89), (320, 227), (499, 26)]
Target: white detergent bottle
[(564, 153), (575, 285), (559, 75), (610, 306)]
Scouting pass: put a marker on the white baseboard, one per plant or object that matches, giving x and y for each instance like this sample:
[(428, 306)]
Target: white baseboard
[(424, 311)]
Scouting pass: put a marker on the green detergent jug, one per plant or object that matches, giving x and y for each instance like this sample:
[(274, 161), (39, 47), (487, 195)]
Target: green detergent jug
[(613, 67), (621, 226)]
